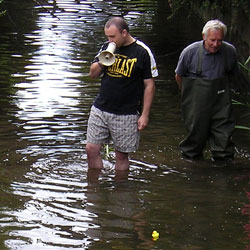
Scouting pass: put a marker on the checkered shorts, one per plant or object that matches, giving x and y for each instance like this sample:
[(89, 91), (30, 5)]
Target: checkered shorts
[(122, 129)]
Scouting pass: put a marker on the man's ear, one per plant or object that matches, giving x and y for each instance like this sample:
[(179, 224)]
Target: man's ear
[(124, 33)]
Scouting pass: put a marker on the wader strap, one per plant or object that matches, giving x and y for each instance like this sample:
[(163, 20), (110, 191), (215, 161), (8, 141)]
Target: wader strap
[(199, 63)]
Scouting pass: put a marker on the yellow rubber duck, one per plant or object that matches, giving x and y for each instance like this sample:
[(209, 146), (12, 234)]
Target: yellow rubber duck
[(155, 235)]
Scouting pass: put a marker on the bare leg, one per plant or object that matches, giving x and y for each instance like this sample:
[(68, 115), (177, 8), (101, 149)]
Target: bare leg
[(122, 162), (93, 175), (94, 156), (121, 175)]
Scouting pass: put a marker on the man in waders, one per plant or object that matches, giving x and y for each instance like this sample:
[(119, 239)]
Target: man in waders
[(202, 74)]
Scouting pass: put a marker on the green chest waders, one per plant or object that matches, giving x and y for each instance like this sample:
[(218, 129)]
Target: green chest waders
[(207, 113)]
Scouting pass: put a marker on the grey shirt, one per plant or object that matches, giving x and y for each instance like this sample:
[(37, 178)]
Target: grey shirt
[(214, 65)]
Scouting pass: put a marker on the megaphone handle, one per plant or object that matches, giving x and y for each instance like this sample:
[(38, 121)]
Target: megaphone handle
[(101, 65)]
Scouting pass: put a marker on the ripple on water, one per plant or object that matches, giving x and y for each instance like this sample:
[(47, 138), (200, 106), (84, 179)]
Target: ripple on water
[(50, 200), (54, 208)]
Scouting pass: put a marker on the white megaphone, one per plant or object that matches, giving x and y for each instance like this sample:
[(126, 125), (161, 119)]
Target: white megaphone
[(106, 57)]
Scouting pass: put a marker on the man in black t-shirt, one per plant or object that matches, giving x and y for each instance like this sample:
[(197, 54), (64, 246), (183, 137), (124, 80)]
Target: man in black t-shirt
[(122, 106)]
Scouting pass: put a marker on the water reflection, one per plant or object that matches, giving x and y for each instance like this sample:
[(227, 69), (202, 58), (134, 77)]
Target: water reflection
[(54, 208), (121, 216), (50, 100)]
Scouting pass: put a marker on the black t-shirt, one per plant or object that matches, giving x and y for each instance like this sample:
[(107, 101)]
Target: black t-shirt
[(122, 85)]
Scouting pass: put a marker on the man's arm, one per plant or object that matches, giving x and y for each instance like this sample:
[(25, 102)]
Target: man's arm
[(95, 70), (179, 81), (149, 90)]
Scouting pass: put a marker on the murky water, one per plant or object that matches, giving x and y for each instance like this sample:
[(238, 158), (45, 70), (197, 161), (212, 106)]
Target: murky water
[(48, 199)]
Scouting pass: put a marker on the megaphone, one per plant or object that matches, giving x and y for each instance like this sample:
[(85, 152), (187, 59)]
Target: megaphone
[(106, 57)]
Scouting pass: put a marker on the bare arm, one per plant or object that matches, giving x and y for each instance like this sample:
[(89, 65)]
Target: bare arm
[(95, 70), (179, 81), (149, 90)]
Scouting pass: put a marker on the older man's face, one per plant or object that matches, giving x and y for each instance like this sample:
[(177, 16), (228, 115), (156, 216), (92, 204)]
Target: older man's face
[(213, 40)]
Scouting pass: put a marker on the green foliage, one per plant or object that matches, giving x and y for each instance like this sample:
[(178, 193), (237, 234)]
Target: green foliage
[(240, 103), (244, 65), (177, 5), (247, 104), (4, 11), (215, 7), (108, 151), (242, 127), (243, 5)]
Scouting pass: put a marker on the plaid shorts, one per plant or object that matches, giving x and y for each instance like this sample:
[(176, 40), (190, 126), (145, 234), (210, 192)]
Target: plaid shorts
[(122, 129)]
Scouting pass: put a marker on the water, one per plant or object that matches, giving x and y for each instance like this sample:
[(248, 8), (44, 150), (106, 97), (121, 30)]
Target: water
[(48, 198)]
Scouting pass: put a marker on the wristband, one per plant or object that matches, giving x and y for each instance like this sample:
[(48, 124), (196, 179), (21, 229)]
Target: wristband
[(100, 65)]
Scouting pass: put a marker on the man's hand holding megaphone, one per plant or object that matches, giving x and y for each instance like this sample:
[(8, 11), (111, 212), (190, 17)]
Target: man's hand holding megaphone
[(107, 57), (126, 87)]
